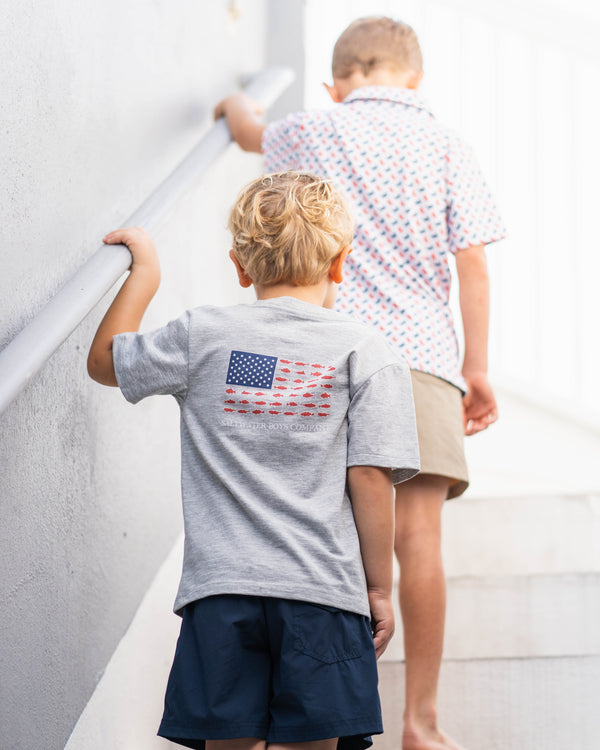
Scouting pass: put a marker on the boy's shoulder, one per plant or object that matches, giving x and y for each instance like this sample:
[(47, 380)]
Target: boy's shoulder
[(310, 128), (274, 314), (369, 98), (283, 308), (296, 122), (280, 317)]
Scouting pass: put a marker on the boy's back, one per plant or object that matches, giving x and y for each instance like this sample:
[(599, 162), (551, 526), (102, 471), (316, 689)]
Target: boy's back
[(417, 192), (289, 456), (266, 392)]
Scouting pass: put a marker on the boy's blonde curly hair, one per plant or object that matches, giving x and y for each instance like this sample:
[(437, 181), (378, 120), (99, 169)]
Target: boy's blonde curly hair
[(288, 227), (376, 42)]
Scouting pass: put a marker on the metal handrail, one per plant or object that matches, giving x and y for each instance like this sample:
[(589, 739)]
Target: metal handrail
[(27, 353)]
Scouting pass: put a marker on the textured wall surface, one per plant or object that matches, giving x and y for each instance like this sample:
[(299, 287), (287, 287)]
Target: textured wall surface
[(99, 102)]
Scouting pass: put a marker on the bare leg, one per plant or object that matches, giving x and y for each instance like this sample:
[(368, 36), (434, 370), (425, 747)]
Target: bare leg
[(253, 743), (241, 743), (418, 539), (329, 744)]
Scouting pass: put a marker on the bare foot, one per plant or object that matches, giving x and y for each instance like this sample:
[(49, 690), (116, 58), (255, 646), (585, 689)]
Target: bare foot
[(413, 739)]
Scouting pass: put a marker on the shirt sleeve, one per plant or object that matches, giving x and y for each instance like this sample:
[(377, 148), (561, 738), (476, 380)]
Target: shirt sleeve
[(280, 144), (381, 424), (148, 364), (472, 216)]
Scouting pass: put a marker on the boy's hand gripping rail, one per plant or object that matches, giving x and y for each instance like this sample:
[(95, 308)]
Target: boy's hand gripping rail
[(26, 354)]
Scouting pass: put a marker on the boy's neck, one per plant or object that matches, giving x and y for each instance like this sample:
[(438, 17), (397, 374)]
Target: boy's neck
[(403, 79), (314, 294)]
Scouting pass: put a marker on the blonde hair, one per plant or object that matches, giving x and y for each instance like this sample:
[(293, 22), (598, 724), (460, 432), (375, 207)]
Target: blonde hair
[(376, 42), (288, 227)]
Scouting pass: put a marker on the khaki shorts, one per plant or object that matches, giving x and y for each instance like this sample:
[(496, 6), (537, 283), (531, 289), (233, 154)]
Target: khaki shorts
[(438, 408)]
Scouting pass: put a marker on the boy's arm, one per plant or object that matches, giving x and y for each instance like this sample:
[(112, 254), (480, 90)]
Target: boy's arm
[(243, 117), (479, 404), (372, 495), (128, 307)]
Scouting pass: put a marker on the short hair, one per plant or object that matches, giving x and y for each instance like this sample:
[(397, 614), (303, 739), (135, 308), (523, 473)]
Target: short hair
[(376, 42), (288, 227)]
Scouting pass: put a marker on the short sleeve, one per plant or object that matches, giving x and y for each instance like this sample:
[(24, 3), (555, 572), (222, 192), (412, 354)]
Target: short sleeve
[(148, 364), (280, 144), (472, 216), (381, 424)]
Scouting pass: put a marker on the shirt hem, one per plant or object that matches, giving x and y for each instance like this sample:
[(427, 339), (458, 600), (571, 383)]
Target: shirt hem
[(388, 462), (253, 588), (121, 364), (457, 247)]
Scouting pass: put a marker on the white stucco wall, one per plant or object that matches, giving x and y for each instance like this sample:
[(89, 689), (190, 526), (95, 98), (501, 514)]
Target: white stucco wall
[(99, 102)]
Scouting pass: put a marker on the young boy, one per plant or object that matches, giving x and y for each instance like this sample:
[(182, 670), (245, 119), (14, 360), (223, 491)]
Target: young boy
[(418, 194), (288, 461)]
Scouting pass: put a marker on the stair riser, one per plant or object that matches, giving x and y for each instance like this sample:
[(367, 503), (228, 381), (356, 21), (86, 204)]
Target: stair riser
[(506, 704)]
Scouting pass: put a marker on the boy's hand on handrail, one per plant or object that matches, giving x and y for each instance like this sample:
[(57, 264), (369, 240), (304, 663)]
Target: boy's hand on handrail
[(244, 119), (128, 307), (238, 100), (140, 244)]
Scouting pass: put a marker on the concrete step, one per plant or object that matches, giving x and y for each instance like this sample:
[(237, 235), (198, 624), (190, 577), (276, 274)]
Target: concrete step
[(523, 577), (518, 617), (506, 704), (522, 535), (522, 643), (532, 451)]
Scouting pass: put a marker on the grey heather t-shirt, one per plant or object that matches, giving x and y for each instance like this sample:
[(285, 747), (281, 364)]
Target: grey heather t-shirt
[(277, 399)]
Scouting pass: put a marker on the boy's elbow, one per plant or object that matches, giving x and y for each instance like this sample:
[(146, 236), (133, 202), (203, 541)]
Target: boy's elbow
[(249, 137), (91, 364), (92, 367), (101, 370), (251, 148)]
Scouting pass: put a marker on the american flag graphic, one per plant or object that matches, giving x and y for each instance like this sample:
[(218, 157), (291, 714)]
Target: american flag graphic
[(263, 384)]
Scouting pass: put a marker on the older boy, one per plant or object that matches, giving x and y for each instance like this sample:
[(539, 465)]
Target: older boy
[(286, 587), (418, 194)]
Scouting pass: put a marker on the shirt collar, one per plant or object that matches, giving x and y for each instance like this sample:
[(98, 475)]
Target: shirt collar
[(394, 94)]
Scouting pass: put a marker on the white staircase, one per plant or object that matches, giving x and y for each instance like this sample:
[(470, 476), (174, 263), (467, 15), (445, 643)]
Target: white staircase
[(521, 664)]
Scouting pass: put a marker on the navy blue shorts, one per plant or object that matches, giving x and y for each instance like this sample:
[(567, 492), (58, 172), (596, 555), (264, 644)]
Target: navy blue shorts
[(277, 669)]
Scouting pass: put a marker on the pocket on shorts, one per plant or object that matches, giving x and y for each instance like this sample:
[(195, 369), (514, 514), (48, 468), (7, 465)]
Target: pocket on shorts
[(328, 634)]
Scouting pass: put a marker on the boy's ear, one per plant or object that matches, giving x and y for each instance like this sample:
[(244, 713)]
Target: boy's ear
[(243, 277), (334, 93), (336, 268), (415, 80)]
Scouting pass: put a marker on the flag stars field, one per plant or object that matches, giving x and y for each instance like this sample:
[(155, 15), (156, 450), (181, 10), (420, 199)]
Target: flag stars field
[(260, 371)]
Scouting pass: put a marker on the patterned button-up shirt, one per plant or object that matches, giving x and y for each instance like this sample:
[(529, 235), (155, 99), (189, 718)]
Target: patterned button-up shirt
[(417, 193)]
